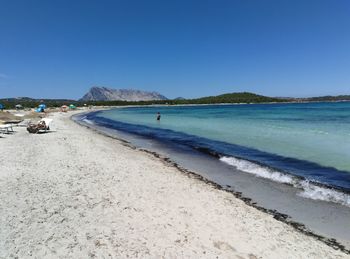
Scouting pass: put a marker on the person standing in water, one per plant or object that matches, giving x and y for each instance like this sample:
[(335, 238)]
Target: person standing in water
[(158, 116)]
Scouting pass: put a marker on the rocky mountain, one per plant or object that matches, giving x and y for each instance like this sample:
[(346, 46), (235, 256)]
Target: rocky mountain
[(109, 94)]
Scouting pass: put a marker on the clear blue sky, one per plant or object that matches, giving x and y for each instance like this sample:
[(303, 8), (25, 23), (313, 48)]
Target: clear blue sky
[(59, 49)]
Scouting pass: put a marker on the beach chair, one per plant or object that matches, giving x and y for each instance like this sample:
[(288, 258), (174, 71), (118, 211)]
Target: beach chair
[(6, 128), (24, 123), (42, 125), (47, 122)]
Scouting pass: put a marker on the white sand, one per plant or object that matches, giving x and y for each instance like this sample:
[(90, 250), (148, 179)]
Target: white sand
[(74, 193)]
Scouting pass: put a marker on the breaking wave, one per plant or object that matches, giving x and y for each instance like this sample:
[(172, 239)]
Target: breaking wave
[(315, 192), (84, 119), (305, 188), (257, 170)]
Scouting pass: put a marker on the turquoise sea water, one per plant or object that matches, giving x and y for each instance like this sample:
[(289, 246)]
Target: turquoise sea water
[(313, 132)]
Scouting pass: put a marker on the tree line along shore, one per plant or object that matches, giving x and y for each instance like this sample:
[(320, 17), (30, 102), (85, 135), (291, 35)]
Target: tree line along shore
[(234, 98)]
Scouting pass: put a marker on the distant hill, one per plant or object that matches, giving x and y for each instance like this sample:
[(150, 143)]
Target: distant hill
[(130, 95), (328, 98), (244, 97)]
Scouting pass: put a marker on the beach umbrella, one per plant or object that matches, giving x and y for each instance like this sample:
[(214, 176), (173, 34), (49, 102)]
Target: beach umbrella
[(72, 106), (2, 107), (41, 108), (19, 106), (64, 108)]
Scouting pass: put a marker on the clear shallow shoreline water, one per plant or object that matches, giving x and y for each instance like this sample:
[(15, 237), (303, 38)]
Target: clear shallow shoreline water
[(209, 129), (315, 181), (325, 218), (313, 132)]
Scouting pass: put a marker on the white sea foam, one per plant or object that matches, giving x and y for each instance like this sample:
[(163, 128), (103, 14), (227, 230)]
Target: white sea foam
[(315, 192), (257, 170), (308, 190), (88, 121)]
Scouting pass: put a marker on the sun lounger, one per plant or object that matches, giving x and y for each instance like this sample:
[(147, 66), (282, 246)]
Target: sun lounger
[(42, 125), (13, 122), (47, 122), (6, 128), (24, 123)]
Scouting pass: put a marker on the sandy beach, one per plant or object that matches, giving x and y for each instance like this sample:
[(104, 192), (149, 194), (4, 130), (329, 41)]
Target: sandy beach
[(74, 193)]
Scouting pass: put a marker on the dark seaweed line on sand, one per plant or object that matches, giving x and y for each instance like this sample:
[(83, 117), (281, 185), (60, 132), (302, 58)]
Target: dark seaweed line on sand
[(227, 188)]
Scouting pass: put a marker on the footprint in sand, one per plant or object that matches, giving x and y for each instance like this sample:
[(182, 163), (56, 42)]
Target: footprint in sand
[(223, 246)]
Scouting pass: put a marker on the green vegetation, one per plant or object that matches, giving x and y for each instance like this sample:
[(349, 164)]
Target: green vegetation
[(329, 98), (26, 102), (224, 98), (244, 97)]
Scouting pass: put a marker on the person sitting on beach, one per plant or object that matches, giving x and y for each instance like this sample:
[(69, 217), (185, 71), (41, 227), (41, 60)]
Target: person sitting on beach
[(158, 116), (34, 128)]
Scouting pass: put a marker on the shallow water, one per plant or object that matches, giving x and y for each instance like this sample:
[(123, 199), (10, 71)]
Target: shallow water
[(315, 132)]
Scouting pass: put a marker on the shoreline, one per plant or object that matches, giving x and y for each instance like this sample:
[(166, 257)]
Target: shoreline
[(302, 228), (276, 215), (296, 179), (213, 104), (74, 193)]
